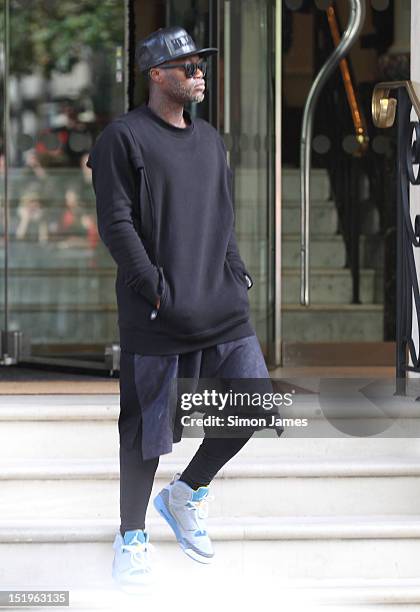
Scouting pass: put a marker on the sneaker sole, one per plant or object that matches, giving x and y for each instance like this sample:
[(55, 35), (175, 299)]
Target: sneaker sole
[(133, 587), (164, 512)]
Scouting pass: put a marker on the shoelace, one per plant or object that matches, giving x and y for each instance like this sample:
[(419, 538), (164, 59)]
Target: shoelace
[(202, 506), (139, 555)]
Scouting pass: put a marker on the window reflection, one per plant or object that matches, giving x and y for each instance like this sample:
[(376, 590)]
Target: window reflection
[(66, 83)]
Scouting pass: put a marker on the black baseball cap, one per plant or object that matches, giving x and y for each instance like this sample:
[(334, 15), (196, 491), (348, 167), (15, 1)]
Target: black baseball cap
[(167, 44)]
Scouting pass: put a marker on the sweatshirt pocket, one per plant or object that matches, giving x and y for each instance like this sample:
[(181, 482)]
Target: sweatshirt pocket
[(162, 288), (191, 306), (238, 274), (243, 276)]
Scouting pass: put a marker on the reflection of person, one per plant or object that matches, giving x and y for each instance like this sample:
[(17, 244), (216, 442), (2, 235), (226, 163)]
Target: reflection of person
[(32, 162), (86, 172), (32, 219), (75, 221), (76, 224), (164, 209), (31, 213), (61, 143)]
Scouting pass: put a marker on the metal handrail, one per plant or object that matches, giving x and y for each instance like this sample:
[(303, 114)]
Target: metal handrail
[(358, 118), (384, 108), (355, 24)]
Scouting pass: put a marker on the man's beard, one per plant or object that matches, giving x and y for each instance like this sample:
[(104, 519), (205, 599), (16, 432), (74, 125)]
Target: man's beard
[(183, 94)]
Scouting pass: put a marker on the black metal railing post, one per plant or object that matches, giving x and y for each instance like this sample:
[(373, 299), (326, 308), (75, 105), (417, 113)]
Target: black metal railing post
[(403, 105), (408, 157), (384, 110), (354, 246)]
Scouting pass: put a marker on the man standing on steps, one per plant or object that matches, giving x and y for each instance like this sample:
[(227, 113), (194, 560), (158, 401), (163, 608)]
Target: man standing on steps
[(163, 195)]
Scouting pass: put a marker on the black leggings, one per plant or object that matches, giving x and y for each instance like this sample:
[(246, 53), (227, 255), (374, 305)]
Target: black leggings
[(137, 475)]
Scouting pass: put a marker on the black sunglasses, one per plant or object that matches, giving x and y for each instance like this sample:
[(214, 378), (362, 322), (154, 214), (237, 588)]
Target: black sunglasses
[(190, 68)]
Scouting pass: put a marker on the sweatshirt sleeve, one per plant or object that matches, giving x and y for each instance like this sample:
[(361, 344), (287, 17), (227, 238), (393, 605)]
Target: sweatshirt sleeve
[(232, 253), (114, 183)]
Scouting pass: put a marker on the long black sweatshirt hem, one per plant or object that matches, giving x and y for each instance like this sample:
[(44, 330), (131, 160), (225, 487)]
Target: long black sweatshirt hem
[(133, 341)]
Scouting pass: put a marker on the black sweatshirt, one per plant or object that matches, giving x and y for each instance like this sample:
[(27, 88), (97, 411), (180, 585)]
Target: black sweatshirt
[(164, 208)]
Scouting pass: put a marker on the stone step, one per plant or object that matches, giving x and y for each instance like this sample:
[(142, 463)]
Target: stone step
[(327, 286), (326, 251), (81, 427), (321, 595), (281, 487), (290, 188), (323, 217), (332, 323), (74, 553), (293, 203), (249, 184)]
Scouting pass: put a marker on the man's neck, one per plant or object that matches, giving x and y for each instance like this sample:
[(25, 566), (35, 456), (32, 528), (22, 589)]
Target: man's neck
[(169, 111)]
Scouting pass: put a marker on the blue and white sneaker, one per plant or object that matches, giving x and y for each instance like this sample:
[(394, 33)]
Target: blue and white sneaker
[(131, 568), (185, 509)]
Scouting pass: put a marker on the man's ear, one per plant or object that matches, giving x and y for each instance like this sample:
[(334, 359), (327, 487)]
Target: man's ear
[(158, 76)]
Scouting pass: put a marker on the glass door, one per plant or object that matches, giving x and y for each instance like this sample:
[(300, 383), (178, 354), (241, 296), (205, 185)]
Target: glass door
[(246, 122), (351, 316), (63, 79), (65, 76)]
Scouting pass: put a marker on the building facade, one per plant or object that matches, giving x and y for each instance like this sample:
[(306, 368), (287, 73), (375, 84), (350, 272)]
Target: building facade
[(68, 69)]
